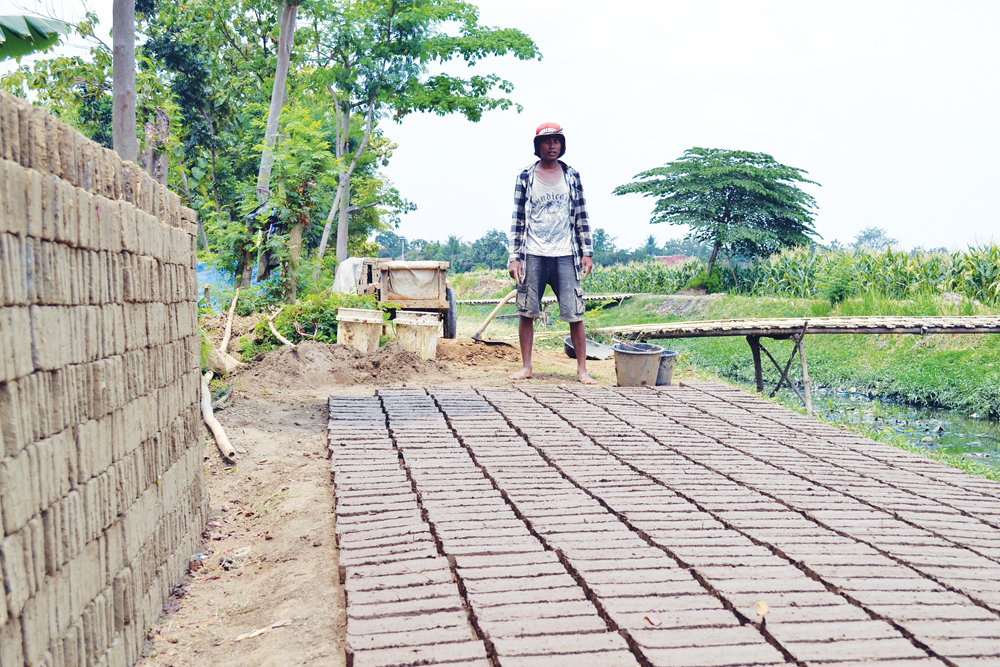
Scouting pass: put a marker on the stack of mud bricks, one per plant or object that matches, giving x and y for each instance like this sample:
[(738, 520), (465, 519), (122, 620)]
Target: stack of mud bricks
[(101, 476)]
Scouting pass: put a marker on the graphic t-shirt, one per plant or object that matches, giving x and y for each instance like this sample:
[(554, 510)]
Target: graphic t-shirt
[(548, 231)]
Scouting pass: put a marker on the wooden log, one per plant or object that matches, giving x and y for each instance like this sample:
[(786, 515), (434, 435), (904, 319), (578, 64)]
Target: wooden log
[(758, 374), (224, 346), (225, 447), (274, 331), (805, 375)]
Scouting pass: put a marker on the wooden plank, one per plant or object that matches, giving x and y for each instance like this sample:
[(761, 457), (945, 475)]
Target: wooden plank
[(784, 327), (429, 304), (546, 299)]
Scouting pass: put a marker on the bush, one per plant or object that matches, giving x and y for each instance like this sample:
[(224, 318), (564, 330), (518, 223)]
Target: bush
[(711, 283), (840, 285), (316, 317)]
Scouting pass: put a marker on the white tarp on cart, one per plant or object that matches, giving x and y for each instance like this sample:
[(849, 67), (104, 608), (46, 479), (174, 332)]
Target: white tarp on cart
[(348, 275)]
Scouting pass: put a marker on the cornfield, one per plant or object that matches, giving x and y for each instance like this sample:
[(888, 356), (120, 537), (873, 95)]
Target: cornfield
[(806, 273), (642, 277)]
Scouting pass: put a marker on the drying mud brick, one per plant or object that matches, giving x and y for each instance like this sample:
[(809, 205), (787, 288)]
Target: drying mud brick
[(102, 499), (648, 526)]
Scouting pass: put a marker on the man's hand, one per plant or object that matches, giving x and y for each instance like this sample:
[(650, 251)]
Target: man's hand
[(586, 266), (514, 269)]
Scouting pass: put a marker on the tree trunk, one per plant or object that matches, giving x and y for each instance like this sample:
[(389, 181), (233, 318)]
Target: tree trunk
[(155, 161), (201, 225), (343, 224), (294, 256), (286, 37), (123, 124), (342, 199), (715, 254)]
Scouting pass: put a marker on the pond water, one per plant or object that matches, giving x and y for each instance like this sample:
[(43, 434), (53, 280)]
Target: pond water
[(936, 429)]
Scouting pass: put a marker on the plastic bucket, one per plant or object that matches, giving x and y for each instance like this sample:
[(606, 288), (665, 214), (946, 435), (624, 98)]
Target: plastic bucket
[(637, 364), (359, 328), (666, 367), (418, 332)]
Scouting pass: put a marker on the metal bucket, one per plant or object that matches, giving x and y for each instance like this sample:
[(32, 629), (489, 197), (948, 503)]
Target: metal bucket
[(666, 371), (637, 364)]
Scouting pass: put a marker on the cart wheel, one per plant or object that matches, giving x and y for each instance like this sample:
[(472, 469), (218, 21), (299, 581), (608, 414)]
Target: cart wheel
[(451, 316)]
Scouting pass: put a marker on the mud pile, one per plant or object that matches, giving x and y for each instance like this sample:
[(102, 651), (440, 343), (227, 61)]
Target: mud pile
[(316, 365)]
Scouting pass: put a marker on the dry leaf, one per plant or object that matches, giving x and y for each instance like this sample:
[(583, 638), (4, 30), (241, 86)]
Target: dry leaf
[(653, 620), (762, 608)]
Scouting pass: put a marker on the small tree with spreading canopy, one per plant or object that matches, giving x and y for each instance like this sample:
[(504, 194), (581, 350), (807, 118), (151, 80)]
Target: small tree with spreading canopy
[(374, 56), (742, 203)]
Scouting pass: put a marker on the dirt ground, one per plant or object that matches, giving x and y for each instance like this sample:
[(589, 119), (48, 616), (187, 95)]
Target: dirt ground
[(265, 590)]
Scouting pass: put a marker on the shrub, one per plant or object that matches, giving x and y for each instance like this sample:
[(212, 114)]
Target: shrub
[(840, 285), (711, 283), (316, 317)]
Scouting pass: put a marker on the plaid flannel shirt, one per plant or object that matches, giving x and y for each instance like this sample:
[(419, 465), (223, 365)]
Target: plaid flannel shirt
[(582, 244)]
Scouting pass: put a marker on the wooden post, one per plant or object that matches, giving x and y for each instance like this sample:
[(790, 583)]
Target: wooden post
[(758, 374), (805, 374)]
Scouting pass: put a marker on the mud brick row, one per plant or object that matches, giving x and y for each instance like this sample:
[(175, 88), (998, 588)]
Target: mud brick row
[(44, 403), (403, 603), (101, 479), (528, 616), (39, 272), (961, 484), (827, 555), (892, 519), (632, 579), (568, 513), (33, 139), (50, 337), (44, 207), (920, 479)]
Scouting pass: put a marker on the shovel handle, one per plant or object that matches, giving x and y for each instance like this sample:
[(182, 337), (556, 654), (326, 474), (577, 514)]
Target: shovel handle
[(503, 302)]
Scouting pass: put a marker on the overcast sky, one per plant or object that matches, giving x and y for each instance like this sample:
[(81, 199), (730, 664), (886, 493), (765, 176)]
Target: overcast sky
[(891, 106)]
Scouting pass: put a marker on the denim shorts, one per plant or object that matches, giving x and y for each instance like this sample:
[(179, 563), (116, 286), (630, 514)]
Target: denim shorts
[(560, 273)]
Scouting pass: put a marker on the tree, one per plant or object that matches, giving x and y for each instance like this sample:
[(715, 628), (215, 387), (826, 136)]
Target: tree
[(373, 55), (286, 37), (124, 138), (872, 238), (490, 250), (742, 203)]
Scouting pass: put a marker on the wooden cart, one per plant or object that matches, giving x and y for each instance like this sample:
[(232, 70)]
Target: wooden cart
[(411, 286)]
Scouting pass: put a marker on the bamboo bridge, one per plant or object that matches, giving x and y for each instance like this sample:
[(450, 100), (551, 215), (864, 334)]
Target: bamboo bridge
[(795, 329)]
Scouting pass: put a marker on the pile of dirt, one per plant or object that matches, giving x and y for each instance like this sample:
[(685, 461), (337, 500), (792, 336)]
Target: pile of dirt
[(488, 286), (467, 351), (317, 365)]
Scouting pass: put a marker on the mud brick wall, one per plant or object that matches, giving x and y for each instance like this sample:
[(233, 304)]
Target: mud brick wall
[(101, 477)]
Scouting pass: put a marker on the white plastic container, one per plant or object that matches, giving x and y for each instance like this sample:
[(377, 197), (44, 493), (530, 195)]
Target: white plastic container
[(418, 332), (359, 328)]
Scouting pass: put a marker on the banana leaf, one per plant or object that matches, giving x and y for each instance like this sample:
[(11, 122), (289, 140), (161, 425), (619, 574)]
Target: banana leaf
[(21, 35)]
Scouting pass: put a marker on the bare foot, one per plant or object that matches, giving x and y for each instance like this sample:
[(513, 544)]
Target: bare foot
[(585, 378), (523, 374)]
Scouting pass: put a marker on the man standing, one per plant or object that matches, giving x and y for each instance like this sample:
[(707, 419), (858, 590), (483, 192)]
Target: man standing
[(549, 244)]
